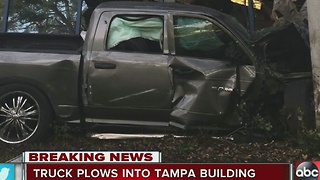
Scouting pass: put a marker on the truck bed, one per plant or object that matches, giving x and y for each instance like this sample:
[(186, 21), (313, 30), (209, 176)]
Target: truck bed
[(46, 43)]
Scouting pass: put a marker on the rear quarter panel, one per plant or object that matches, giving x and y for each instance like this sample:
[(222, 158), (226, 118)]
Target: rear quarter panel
[(56, 75)]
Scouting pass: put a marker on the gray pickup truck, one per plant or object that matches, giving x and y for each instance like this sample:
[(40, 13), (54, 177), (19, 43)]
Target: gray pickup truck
[(144, 64)]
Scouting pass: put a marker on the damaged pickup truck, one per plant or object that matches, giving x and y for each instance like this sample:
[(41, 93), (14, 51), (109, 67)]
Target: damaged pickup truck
[(145, 64)]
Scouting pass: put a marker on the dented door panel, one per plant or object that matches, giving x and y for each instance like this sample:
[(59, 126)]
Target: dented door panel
[(205, 89), (203, 84)]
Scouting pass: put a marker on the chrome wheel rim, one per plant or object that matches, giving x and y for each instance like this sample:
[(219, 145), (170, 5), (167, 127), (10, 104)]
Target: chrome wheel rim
[(19, 117)]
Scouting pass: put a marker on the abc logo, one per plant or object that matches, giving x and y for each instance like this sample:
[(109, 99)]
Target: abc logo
[(307, 171)]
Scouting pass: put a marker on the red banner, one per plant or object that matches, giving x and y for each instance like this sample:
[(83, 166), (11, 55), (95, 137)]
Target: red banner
[(158, 171)]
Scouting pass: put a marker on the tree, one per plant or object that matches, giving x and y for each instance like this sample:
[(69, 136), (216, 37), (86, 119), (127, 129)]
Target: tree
[(2, 3), (43, 16)]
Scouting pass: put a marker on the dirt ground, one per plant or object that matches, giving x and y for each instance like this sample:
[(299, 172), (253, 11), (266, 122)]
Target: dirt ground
[(192, 149)]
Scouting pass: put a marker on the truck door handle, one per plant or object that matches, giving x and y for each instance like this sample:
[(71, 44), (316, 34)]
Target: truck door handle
[(102, 65)]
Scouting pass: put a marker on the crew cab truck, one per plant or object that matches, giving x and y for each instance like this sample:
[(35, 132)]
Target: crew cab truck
[(140, 64)]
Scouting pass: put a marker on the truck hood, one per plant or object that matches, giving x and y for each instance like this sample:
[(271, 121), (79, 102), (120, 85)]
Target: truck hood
[(284, 48)]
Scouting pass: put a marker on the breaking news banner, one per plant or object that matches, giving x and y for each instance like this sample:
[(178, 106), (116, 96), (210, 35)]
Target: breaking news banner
[(158, 171), (144, 165), (137, 165), (92, 157)]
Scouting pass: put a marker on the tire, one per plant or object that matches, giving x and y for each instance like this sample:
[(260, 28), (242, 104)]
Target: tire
[(25, 114)]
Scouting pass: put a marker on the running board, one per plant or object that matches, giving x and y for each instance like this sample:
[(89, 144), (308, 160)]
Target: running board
[(123, 122)]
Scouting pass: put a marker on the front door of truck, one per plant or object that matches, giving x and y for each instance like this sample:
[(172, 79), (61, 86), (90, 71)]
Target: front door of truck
[(211, 70), (129, 69)]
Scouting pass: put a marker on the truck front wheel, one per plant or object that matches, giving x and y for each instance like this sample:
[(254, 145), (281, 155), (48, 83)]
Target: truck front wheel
[(25, 114)]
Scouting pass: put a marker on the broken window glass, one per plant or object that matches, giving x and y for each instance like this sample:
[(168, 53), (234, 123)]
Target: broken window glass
[(136, 33), (201, 38), (197, 34)]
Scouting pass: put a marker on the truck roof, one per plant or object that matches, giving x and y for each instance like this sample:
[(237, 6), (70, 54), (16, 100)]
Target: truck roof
[(150, 6)]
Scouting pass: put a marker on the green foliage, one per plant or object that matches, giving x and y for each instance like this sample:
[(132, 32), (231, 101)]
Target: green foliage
[(269, 127), (308, 140), (262, 123), (38, 16), (2, 3)]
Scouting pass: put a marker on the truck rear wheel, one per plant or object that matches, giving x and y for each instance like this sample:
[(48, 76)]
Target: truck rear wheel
[(25, 114)]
